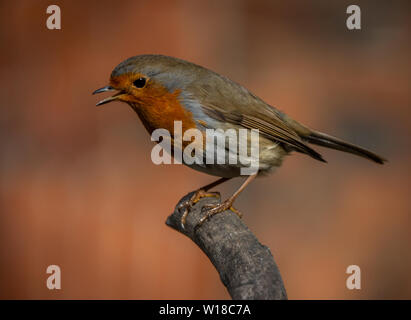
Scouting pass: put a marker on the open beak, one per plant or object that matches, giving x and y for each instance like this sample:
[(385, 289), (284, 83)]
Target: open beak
[(109, 99)]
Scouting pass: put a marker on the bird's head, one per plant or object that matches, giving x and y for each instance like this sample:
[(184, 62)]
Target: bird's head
[(145, 78)]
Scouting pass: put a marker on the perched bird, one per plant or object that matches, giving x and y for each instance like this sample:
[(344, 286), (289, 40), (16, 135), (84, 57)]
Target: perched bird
[(162, 89)]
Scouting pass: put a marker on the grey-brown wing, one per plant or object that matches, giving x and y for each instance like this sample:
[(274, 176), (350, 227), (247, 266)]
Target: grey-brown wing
[(233, 103)]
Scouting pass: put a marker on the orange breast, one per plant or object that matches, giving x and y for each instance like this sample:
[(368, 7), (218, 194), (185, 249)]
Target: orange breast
[(158, 108), (155, 105)]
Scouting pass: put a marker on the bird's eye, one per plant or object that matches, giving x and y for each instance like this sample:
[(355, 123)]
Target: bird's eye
[(140, 82)]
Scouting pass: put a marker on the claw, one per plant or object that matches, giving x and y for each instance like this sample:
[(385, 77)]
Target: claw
[(237, 212), (187, 205), (184, 218), (211, 210)]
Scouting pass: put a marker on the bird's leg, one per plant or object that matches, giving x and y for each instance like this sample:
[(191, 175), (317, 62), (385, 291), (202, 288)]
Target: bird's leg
[(225, 205), (199, 194)]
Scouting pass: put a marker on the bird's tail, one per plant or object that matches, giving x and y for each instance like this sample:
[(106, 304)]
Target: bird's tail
[(328, 141)]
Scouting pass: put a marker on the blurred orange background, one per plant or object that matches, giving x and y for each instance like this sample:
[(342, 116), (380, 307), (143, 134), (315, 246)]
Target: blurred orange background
[(78, 188)]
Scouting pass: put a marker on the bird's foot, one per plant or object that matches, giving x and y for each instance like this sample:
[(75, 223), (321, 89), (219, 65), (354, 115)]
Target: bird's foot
[(187, 205), (213, 209)]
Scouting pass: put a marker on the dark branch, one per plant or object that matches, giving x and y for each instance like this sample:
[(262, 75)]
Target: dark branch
[(246, 267)]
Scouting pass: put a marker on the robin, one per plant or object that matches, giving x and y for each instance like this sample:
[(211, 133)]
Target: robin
[(162, 89)]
